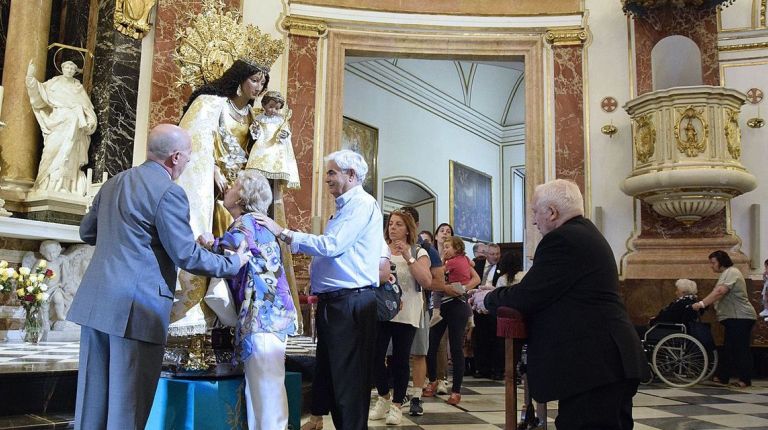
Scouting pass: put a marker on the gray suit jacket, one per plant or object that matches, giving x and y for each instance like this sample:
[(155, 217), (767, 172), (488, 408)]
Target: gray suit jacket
[(139, 223)]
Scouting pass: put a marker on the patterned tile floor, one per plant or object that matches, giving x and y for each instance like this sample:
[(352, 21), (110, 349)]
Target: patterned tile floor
[(656, 406)]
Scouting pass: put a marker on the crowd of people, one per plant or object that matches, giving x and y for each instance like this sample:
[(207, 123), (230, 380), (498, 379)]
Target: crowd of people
[(216, 223)]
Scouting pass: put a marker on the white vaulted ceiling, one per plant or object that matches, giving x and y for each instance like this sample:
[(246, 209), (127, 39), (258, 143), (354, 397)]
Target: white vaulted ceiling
[(489, 96)]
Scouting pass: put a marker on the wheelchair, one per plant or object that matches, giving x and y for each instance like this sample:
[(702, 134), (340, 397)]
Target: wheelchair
[(677, 357)]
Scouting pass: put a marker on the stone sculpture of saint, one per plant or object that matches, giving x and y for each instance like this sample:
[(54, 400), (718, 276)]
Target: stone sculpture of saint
[(67, 120)]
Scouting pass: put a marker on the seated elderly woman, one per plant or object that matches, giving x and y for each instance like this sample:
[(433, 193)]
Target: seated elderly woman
[(680, 310), (266, 315)]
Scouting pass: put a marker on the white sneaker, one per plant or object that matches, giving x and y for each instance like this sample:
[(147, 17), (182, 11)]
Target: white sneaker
[(394, 416), (380, 409), (442, 387), (764, 313)]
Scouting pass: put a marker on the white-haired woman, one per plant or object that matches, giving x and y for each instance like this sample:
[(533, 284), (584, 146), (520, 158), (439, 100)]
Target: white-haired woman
[(266, 314), (680, 310)]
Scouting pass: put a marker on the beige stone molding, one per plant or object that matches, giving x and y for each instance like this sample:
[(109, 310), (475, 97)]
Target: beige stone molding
[(305, 27), (566, 37)]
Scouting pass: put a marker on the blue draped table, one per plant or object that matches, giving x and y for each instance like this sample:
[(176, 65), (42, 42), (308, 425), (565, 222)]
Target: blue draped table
[(212, 403)]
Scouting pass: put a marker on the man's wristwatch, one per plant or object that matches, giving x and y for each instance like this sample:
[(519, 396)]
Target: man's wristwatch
[(411, 260), (285, 235)]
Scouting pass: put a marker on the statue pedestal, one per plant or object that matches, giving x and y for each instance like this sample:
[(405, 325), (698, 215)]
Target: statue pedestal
[(48, 206), (674, 258)]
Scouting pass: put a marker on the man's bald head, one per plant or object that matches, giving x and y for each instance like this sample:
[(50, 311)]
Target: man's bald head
[(171, 146), (165, 139)]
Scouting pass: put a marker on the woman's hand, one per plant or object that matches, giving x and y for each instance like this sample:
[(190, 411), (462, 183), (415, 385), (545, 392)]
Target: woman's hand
[(268, 222), (403, 249), (206, 240), (219, 182)]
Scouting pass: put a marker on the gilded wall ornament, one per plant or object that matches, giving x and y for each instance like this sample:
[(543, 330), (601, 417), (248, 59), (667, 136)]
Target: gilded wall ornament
[(305, 27), (213, 41), (132, 17), (645, 138), (566, 37), (691, 131), (733, 133)]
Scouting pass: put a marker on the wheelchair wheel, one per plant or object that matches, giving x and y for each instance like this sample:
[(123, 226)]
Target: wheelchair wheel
[(713, 361), (680, 360)]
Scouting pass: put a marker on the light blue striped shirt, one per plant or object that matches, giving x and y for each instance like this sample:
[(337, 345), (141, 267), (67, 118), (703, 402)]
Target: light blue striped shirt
[(347, 254)]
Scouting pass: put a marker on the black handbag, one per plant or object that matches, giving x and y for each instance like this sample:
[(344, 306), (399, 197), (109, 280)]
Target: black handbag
[(388, 300)]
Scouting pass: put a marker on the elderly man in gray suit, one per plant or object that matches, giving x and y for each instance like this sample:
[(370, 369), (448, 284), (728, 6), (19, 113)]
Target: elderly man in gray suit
[(139, 223)]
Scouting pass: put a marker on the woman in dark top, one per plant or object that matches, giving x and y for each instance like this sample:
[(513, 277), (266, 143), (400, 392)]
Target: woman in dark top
[(680, 310)]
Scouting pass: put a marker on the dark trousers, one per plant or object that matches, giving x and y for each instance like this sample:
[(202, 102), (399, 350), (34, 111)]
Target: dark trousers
[(398, 369), (346, 333), (455, 315), (607, 407), (488, 348), (116, 381), (737, 356)]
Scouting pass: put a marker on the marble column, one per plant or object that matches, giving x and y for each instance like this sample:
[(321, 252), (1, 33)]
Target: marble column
[(567, 52), (168, 100), (19, 140), (300, 97), (114, 95)]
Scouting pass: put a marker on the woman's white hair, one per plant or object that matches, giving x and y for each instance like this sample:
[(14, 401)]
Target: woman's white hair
[(350, 160), (563, 195), (255, 192), (687, 286)]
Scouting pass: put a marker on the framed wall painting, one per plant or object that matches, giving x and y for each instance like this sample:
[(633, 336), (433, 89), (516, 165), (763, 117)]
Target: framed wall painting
[(471, 203), (363, 139)]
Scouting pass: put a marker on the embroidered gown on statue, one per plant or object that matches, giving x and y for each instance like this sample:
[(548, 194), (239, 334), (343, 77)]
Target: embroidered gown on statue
[(218, 141)]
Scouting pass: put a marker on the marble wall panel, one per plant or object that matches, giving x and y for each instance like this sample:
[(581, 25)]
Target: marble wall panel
[(569, 113), (69, 26), (654, 225), (302, 87), (114, 95), (698, 25), (167, 100), (644, 298)]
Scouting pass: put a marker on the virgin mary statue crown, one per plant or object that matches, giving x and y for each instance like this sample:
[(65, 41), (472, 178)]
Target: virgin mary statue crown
[(215, 39)]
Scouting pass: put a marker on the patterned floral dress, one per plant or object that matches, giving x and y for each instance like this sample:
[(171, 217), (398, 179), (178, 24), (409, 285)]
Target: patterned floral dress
[(260, 289)]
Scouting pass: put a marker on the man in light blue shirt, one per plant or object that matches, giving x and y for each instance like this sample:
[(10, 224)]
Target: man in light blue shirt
[(344, 271)]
